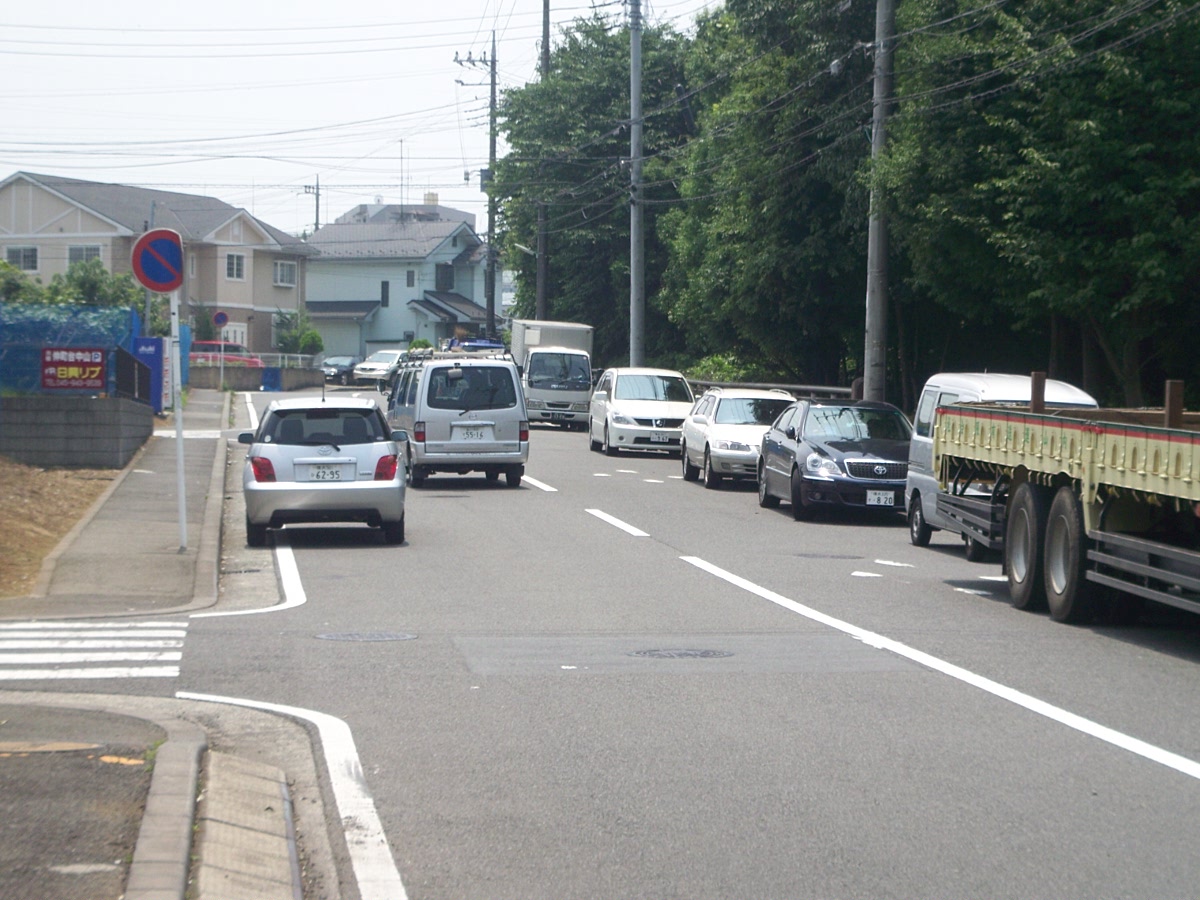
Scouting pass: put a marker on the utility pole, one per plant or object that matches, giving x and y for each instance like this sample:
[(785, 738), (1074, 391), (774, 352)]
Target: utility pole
[(489, 289), (541, 261), (637, 277), (311, 189), (875, 349), (485, 184)]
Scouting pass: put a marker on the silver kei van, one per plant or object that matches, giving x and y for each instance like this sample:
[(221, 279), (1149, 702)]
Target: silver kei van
[(921, 484), (462, 414)]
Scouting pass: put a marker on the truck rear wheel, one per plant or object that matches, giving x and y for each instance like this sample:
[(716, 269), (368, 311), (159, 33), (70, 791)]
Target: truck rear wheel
[(1023, 540), (919, 531), (1068, 592)]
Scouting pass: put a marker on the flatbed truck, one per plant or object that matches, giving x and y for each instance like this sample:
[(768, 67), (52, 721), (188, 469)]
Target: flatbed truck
[(1097, 510)]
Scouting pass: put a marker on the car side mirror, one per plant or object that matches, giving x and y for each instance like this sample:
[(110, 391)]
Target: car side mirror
[(246, 437), (791, 433), (600, 395), (699, 420), (400, 436)]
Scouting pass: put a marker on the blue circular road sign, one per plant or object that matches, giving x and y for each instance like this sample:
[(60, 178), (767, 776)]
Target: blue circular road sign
[(158, 260)]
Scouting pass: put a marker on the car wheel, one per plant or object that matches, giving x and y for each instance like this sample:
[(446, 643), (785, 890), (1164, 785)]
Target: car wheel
[(609, 449), (513, 477), (593, 444), (798, 510), (393, 532), (690, 472), (976, 550), (344, 379), (765, 500), (1069, 594), (1023, 538), (712, 480), (256, 535), (492, 474), (416, 476), (919, 531)]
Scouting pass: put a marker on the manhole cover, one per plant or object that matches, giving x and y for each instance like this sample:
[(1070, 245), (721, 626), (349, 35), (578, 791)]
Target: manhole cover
[(682, 654), (367, 636)]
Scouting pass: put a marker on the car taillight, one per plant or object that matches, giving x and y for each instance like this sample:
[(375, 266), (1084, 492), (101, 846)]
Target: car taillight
[(385, 469), (419, 431), (523, 434), (263, 470)]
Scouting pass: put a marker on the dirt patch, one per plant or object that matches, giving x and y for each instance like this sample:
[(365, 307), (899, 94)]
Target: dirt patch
[(37, 507)]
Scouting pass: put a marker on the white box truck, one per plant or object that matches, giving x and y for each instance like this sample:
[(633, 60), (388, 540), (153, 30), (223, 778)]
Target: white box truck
[(555, 359)]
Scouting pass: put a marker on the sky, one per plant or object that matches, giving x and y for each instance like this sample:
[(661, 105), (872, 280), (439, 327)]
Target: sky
[(257, 103)]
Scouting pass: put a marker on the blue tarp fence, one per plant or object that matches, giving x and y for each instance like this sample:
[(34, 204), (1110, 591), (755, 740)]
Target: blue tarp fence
[(26, 329)]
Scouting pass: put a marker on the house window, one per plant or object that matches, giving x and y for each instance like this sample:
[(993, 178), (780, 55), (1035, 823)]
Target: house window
[(191, 265), (412, 277), (285, 273), (235, 266), (445, 277), (23, 258), (82, 253)]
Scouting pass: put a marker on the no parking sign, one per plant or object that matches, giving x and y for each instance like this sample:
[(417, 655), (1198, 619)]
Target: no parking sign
[(158, 260)]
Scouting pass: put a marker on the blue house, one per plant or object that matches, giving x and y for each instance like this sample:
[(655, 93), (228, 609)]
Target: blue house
[(388, 274)]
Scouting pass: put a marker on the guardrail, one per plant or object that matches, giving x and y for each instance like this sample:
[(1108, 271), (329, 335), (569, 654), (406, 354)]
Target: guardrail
[(797, 390)]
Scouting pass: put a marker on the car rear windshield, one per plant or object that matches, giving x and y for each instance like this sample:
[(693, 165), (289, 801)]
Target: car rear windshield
[(470, 387), (323, 426), (750, 410), (652, 387)]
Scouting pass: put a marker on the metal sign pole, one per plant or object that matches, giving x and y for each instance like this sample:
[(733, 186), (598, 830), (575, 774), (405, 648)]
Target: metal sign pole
[(177, 402)]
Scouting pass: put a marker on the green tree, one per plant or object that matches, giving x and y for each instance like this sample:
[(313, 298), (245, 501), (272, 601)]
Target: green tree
[(1044, 169), (569, 143), (768, 251), (294, 333), (17, 287), (89, 283)]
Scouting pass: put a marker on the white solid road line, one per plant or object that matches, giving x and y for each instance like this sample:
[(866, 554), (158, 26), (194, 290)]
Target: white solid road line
[(624, 526), (370, 856), (541, 486), (289, 577), (1117, 739)]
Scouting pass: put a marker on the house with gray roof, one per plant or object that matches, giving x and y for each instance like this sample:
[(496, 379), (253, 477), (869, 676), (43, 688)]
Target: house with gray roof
[(386, 276), (233, 262)]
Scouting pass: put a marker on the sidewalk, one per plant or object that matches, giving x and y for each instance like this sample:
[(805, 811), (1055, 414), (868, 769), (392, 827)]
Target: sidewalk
[(213, 825)]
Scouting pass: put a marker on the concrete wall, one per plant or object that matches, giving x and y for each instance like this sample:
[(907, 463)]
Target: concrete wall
[(73, 432)]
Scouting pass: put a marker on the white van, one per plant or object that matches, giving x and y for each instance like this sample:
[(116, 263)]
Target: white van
[(463, 414), (921, 483)]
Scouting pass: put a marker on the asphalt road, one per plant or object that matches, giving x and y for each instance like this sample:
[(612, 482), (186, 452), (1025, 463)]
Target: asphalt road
[(629, 686)]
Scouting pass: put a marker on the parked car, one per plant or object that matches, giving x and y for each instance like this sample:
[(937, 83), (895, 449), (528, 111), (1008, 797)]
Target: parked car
[(463, 414), (722, 435), (214, 353), (379, 368), (832, 454), (339, 369), (921, 490), (323, 460), (638, 409)]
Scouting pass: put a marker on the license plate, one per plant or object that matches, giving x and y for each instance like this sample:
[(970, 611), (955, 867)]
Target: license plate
[(472, 434), (881, 498), (657, 437), (324, 473), (557, 417)]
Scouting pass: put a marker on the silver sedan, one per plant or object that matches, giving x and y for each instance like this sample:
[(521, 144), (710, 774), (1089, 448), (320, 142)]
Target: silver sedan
[(330, 460)]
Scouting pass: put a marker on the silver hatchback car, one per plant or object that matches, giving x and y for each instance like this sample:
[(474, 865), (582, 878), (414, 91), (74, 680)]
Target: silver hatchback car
[(323, 460)]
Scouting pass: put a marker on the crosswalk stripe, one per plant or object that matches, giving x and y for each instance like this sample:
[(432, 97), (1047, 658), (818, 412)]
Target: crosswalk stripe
[(31, 651)]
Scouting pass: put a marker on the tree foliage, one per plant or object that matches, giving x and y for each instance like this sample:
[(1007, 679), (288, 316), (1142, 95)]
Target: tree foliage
[(1040, 181)]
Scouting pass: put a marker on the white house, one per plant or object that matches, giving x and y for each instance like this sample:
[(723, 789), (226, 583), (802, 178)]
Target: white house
[(389, 274)]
